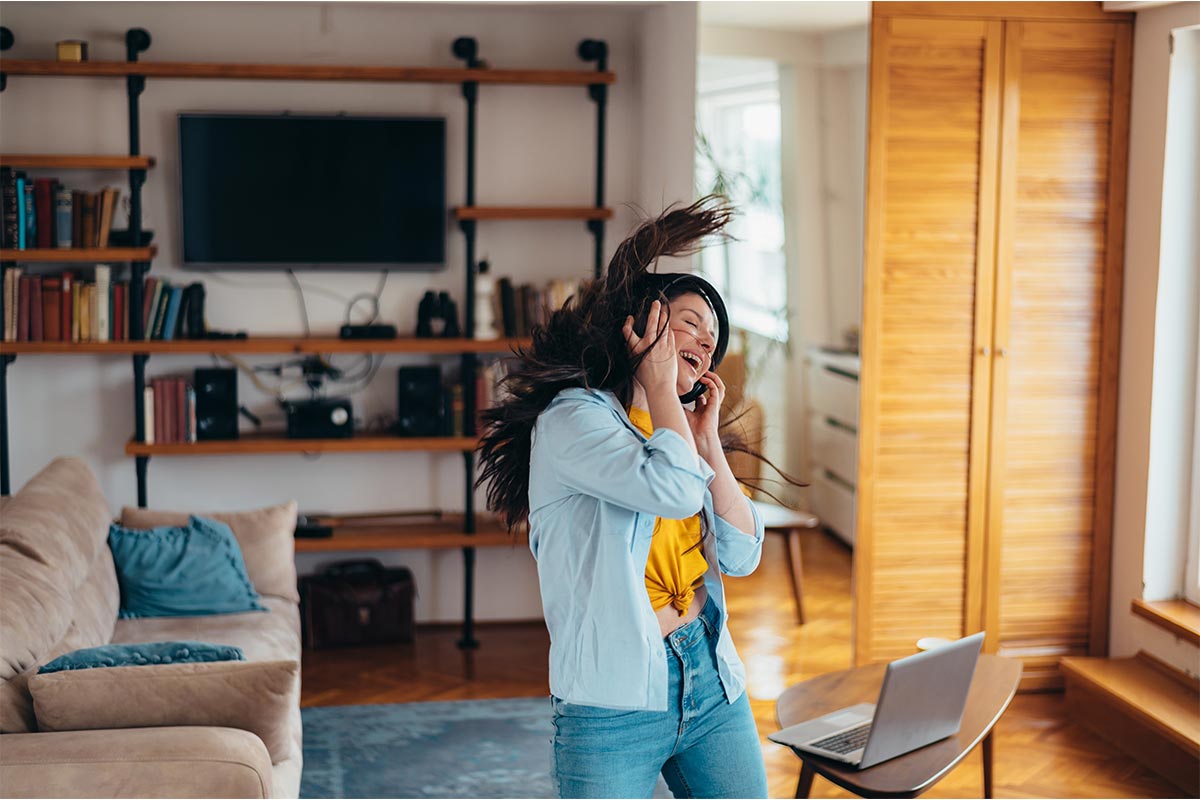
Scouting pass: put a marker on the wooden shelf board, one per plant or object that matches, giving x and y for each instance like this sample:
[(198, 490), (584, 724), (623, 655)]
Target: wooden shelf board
[(260, 443), (73, 254), (532, 212), (1179, 617), (446, 533), (306, 72), (32, 161), (269, 344)]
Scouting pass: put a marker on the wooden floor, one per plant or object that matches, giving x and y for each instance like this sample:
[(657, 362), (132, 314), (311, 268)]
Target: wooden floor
[(1039, 753)]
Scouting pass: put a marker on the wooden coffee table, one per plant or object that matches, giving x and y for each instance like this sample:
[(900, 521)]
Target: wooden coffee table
[(908, 775)]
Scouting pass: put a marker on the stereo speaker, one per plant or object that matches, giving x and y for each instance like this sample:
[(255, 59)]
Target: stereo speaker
[(419, 402), (216, 403)]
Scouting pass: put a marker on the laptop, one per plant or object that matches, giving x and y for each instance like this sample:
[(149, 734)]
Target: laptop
[(921, 701)]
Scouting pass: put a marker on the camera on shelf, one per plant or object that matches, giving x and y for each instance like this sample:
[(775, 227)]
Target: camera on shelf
[(319, 417)]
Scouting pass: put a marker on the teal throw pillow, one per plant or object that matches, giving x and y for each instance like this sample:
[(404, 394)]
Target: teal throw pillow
[(141, 653), (188, 571)]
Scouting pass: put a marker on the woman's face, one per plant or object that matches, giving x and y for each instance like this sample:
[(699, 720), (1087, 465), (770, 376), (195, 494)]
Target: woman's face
[(695, 331)]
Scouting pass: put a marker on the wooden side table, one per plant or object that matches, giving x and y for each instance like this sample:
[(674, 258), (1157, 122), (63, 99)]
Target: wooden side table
[(789, 522), (909, 775)]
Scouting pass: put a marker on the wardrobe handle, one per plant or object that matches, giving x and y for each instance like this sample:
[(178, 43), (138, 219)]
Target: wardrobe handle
[(985, 351), (1002, 352)]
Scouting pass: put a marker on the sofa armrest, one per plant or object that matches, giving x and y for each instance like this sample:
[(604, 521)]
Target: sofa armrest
[(135, 762)]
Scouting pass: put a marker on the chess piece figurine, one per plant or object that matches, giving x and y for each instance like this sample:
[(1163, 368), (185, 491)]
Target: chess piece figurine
[(448, 312)]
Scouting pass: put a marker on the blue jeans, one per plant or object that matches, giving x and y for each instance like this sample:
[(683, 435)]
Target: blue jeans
[(703, 745)]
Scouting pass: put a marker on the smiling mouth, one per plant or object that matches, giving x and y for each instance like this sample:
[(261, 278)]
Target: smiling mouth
[(692, 360)]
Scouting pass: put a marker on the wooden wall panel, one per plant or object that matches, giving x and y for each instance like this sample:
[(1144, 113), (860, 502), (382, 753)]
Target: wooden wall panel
[(934, 91)]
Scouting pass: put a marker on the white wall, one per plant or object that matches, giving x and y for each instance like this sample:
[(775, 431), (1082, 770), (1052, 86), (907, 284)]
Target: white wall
[(823, 93), (535, 146), (1141, 377)]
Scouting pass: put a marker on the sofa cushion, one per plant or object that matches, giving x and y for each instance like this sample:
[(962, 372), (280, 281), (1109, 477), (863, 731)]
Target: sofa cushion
[(265, 535), (254, 696), (262, 637), (59, 586), (142, 654), (192, 570)]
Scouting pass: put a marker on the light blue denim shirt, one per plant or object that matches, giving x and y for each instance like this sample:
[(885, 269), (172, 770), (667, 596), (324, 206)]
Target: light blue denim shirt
[(596, 485)]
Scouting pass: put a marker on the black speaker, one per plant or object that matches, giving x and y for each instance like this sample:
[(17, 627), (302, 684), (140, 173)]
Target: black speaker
[(419, 402), (216, 403)]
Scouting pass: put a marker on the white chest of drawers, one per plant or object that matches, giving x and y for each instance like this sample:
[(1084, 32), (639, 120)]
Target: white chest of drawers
[(832, 411)]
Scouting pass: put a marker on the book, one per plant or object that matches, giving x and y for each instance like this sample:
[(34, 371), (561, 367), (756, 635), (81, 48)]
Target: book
[(172, 313), (35, 309), (181, 319), (21, 222), (66, 307), (107, 208), (148, 414), (180, 420), (52, 308), (101, 302), (191, 414), (77, 218), (11, 277), (43, 198), (62, 216), (86, 297), (120, 291), (508, 306), (23, 308), (89, 220), (8, 207), (160, 410), (151, 306), (160, 309)]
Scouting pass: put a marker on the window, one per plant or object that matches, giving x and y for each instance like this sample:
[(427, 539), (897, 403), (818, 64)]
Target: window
[(739, 122)]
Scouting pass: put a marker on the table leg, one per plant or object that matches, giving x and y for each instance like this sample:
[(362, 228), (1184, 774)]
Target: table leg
[(795, 567), (987, 765), (804, 786)]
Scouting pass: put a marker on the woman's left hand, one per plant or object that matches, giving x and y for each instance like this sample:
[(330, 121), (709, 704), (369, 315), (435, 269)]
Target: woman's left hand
[(705, 419)]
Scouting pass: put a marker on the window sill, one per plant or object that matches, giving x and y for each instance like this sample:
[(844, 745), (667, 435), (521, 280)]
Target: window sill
[(1179, 617)]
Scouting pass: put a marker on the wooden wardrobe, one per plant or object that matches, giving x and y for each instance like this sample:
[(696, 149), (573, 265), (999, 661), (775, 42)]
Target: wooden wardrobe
[(995, 209)]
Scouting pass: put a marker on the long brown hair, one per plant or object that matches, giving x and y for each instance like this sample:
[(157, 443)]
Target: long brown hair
[(582, 345)]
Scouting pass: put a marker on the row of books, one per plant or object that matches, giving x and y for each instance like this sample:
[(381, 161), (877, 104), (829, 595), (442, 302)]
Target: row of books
[(42, 213), (169, 410), (519, 308), (68, 308)]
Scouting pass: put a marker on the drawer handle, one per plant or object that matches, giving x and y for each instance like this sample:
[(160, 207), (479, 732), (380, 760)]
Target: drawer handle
[(833, 423), (832, 478), (843, 372)]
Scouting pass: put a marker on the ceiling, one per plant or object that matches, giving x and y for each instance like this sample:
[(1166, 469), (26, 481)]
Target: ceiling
[(789, 15)]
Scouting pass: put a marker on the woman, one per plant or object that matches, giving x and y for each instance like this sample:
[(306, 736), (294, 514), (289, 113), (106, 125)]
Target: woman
[(633, 515)]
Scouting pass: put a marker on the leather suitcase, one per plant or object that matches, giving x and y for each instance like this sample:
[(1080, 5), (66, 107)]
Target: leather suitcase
[(357, 602)]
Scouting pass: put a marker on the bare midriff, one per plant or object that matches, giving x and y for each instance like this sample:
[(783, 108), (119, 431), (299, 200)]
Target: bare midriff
[(669, 618)]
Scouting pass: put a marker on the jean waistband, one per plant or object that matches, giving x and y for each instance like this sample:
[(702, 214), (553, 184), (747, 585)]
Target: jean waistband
[(707, 623)]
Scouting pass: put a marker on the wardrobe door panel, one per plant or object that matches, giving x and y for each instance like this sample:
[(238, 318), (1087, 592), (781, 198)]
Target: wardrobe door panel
[(1048, 513), (934, 115)]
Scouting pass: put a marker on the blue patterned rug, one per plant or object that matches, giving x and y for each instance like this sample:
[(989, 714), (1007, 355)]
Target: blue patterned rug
[(466, 748)]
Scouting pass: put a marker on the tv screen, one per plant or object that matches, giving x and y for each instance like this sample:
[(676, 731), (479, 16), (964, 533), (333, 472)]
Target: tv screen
[(324, 192)]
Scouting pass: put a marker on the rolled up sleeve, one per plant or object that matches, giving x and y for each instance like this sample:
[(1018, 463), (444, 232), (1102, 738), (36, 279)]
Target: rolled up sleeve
[(593, 453), (738, 552)]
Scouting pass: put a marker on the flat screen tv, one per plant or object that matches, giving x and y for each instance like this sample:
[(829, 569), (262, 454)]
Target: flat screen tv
[(313, 192)]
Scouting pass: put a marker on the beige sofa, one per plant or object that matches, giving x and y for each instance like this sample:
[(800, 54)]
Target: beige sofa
[(59, 593)]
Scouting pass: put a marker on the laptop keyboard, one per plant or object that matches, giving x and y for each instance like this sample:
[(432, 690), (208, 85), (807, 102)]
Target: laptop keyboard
[(846, 741)]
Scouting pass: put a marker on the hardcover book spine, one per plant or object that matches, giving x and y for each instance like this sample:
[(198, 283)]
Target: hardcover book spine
[(160, 310), (118, 319), (191, 414), (62, 217), (20, 211), (8, 207), (35, 309), (89, 221), (149, 295), (30, 216), (52, 308), (148, 415), (101, 306), (180, 410), (66, 307), (77, 218), (168, 328), (160, 410), (23, 309), (43, 198), (10, 306)]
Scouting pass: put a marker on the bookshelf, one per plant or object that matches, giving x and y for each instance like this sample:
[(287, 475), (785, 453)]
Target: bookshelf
[(464, 531)]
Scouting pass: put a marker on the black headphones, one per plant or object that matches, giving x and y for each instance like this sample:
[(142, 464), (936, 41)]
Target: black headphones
[(680, 282)]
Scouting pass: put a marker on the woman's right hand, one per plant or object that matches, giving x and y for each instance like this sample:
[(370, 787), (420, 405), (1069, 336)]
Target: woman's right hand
[(660, 368)]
